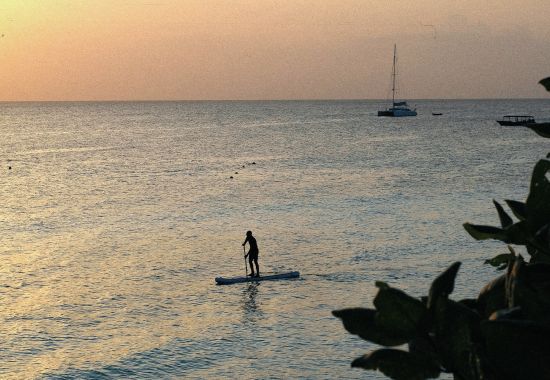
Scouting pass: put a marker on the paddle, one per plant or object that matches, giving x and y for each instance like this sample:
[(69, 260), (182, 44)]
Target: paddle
[(245, 267)]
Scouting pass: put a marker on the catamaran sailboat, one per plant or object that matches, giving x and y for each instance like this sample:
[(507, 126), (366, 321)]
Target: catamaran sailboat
[(398, 109)]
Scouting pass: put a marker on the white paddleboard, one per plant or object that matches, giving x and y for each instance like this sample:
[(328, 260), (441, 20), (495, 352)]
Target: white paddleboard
[(235, 280)]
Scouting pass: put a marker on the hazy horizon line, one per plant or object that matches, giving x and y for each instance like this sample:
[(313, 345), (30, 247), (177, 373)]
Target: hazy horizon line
[(257, 100)]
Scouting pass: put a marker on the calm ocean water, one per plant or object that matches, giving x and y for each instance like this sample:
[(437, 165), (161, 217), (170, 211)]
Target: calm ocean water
[(116, 217)]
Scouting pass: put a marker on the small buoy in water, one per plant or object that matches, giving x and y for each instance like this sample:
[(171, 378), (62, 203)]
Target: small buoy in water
[(253, 163), (231, 177), (9, 167), (243, 166), (236, 172)]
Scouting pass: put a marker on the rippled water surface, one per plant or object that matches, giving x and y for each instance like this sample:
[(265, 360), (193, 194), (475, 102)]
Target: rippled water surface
[(116, 217)]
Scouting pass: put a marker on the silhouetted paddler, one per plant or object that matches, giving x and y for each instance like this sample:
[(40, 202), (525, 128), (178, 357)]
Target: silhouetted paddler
[(252, 253)]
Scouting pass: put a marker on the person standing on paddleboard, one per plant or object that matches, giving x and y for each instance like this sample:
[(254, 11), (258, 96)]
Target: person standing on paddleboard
[(252, 253)]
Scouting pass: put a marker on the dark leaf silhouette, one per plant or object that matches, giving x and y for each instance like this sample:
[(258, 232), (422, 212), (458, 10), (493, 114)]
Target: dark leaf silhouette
[(443, 285), (517, 233), (538, 201), (505, 220), (546, 83), (397, 311), (456, 330), (362, 322), (492, 297), (484, 232), (504, 334), (528, 287), (518, 208), (500, 261)]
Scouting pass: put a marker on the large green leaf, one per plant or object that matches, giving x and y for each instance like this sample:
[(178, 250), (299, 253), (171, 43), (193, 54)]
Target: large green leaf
[(518, 233), (505, 220), (479, 232), (518, 208), (398, 312), (443, 285), (399, 365), (362, 322)]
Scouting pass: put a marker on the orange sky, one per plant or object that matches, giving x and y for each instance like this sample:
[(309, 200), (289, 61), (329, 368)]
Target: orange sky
[(271, 49)]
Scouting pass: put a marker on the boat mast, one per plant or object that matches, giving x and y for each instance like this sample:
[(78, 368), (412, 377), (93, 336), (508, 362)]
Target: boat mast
[(393, 74)]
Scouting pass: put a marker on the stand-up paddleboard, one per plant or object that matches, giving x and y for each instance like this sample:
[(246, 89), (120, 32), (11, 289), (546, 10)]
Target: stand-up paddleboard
[(235, 280)]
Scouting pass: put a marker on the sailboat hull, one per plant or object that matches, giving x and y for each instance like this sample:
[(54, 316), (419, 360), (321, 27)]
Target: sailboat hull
[(401, 113)]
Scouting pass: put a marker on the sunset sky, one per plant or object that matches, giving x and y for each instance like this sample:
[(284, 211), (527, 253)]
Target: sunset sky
[(271, 49)]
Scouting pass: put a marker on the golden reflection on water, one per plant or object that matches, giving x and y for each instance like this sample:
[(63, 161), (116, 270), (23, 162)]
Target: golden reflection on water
[(109, 255), (79, 307)]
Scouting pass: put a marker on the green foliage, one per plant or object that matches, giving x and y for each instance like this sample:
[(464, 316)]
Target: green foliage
[(501, 335), (363, 322), (505, 220), (398, 311), (500, 261), (503, 260), (443, 285), (489, 338), (532, 229), (538, 201), (518, 208), (486, 232), (395, 321)]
